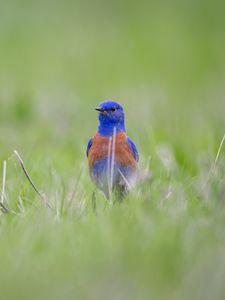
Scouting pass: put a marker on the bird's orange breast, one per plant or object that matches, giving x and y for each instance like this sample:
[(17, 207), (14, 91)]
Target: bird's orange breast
[(102, 147)]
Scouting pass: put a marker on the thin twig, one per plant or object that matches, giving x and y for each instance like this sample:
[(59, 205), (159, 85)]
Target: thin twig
[(125, 179), (113, 157), (108, 170), (3, 182), (20, 205), (93, 200), (3, 208), (212, 170), (219, 150), (30, 180)]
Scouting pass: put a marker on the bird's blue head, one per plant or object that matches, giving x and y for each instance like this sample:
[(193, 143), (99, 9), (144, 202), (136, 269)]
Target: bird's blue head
[(111, 116)]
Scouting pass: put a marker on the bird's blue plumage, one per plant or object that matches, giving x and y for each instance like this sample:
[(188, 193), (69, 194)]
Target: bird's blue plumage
[(88, 146), (133, 148)]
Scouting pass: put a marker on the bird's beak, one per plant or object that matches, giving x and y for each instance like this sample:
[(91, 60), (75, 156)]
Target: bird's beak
[(99, 109)]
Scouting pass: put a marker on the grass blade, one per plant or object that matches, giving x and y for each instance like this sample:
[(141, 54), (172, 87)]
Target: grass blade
[(219, 149), (43, 198)]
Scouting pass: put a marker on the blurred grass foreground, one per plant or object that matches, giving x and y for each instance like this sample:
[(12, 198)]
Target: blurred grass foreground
[(165, 62)]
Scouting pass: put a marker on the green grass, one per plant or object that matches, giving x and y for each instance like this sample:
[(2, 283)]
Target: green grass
[(165, 63)]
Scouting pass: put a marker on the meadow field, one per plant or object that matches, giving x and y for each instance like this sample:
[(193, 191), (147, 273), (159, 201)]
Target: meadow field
[(165, 63)]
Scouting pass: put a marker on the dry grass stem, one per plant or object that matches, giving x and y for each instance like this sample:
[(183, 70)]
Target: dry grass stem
[(93, 201), (3, 182), (113, 157), (125, 180), (30, 180), (219, 150), (2, 206), (108, 170)]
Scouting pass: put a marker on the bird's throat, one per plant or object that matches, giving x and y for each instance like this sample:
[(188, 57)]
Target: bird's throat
[(108, 129)]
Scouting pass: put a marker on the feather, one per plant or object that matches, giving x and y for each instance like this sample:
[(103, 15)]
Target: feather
[(89, 146), (133, 148)]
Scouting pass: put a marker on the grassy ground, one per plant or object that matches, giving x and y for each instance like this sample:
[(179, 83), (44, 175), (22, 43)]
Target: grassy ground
[(165, 63)]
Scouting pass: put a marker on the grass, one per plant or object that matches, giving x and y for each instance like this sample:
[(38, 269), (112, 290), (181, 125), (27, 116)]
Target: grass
[(165, 63)]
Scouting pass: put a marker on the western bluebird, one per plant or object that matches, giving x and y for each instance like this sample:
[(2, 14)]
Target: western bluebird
[(112, 155)]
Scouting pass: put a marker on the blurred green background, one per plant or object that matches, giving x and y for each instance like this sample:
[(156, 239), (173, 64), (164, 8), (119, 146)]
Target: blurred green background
[(165, 62)]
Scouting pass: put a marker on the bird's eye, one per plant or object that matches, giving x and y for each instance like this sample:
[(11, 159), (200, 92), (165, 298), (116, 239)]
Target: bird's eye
[(113, 109)]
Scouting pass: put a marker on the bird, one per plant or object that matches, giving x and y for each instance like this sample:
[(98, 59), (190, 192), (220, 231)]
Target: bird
[(112, 156)]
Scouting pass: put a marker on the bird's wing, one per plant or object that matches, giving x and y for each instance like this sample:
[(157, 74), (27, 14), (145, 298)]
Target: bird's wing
[(89, 146), (133, 148)]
